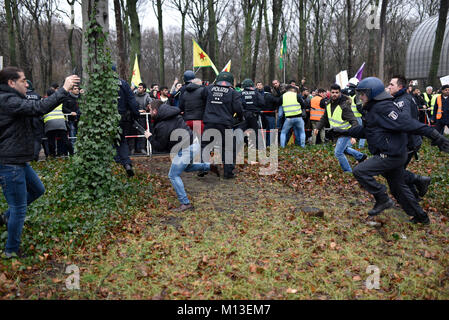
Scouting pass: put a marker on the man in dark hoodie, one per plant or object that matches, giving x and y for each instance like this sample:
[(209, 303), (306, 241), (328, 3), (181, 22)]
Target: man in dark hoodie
[(19, 182), (192, 104), (167, 119)]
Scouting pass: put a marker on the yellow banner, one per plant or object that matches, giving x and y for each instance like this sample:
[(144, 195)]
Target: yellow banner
[(200, 58), (136, 79)]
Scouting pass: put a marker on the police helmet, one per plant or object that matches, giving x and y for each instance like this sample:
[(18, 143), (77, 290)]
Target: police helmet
[(247, 83), (189, 75), (373, 88), (225, 79)]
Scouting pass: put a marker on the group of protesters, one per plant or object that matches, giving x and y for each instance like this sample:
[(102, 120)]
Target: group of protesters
[(385, 117)]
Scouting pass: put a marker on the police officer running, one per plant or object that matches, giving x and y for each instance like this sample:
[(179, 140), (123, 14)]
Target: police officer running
[(406, 103), (386, 130)]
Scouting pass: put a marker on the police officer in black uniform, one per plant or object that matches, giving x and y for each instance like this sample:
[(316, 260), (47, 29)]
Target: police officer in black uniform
[(222, 102), (252, 103), (128, 109), (386, 128), (407, 103)]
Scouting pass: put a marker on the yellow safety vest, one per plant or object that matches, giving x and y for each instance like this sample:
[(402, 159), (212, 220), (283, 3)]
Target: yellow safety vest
[(427, 98), (433, 102), (55, 114), (354, 108), (336, 120), (291, 105)]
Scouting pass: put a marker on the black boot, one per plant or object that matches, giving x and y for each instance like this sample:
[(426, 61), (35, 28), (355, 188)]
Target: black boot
[(423, 219), (3, 220), (383, 202), (129, 170), (422, 184)]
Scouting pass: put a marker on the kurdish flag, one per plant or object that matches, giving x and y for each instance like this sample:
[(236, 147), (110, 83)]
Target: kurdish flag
[(136, 79), (227, 67), (201, 59)]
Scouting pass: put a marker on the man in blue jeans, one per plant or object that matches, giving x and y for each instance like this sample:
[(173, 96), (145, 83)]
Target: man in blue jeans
[(168, 119), (339, 115), (293, 108), (20, 184)]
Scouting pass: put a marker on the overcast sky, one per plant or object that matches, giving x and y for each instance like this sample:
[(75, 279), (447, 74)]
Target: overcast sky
[(147, 18)]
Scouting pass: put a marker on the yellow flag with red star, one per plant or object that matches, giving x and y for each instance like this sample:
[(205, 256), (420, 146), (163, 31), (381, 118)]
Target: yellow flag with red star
[(136, 79), (201, 59)]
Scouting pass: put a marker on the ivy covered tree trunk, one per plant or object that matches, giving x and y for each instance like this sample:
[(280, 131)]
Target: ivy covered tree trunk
[(91, 175)]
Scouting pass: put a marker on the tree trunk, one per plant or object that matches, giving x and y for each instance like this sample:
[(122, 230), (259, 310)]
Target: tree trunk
[(371, 62), (349, 34), (261, 4), (439, 38), (25, 63), (161, 43), (383, 35), (135, 33), (248, 9), (70, 35), (212, 37), (122, 66), (102, 19), (272, 37), (11, 38), (302, 40), (183, 45)]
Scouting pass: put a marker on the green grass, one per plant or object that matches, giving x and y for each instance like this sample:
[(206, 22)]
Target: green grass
[(248, 239)]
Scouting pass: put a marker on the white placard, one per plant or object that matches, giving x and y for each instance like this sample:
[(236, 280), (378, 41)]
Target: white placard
[(342, 79), (1, 62), (444, 80)]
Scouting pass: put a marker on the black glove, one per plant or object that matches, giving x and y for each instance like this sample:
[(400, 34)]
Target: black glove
[(337, 132), (441, 141)]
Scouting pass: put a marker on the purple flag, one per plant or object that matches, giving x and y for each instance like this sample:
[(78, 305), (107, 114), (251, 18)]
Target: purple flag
[(359, 73)]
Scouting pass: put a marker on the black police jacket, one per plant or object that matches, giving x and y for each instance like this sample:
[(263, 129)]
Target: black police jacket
[(406, 103), (386, 128), (252, 100), (193, 102), (127, 104), (221, 104), (16, 118), (167, 120), (272, 103)]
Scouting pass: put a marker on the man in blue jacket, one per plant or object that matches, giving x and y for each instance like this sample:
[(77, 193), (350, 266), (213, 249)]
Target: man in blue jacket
[(19, 182), (386, 129)]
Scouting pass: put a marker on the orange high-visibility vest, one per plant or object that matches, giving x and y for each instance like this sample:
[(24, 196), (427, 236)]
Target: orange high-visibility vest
[(316, 112), (440, 107)]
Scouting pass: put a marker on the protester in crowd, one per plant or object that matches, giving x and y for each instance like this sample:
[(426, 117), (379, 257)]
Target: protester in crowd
[(192, 104), (165, 96), (143, 100), (70, 106), (154, 91), (269, 109), (20, 184), (317, 110), (166, 120), (339, 114)]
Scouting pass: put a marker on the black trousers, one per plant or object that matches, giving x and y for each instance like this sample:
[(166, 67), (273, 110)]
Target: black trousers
[(228, 167), (410, 177), (62, 134), (440, 127), (392, 168), (121, 146)]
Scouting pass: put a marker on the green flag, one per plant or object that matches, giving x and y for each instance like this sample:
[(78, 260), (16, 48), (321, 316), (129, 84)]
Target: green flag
[(283, 51)]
